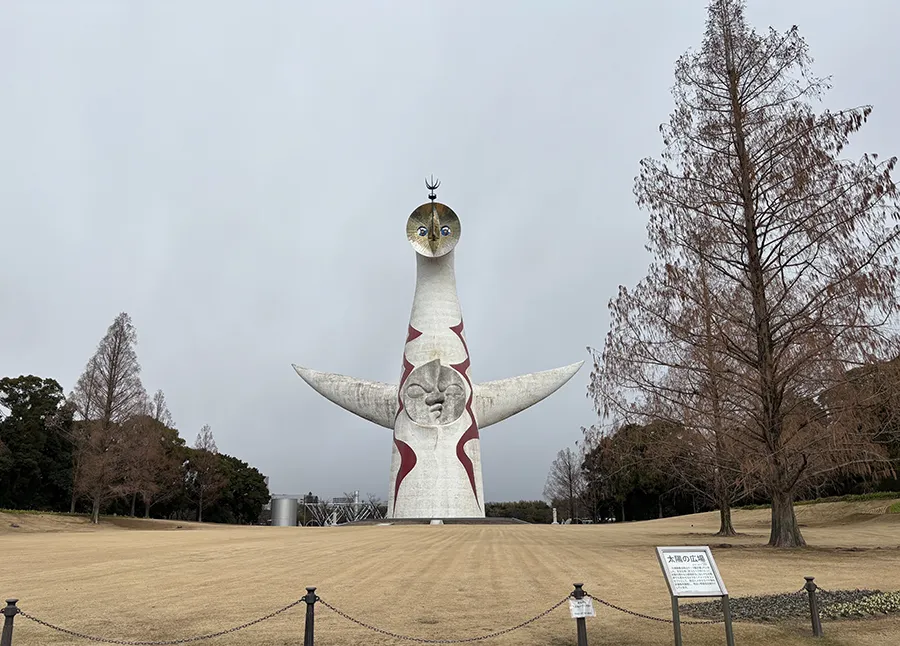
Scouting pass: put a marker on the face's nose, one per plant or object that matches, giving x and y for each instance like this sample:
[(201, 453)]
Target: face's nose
[(434, 397), (434, 231)]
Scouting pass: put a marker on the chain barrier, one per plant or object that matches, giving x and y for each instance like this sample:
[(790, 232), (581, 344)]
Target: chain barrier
[(172, 642), (341, 613), (652, 618), (422, 640)]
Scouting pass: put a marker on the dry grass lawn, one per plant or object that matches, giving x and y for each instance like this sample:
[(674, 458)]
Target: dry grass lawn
[(128, 580)]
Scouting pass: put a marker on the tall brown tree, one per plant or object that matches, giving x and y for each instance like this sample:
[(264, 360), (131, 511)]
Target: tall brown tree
[(797, 243), (108, 395)]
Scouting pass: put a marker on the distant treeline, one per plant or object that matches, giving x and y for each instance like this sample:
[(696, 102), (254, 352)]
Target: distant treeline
[(109, 448), (531, 511)]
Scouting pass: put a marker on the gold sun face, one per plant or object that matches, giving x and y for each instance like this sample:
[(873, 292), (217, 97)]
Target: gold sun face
[(433, 230)]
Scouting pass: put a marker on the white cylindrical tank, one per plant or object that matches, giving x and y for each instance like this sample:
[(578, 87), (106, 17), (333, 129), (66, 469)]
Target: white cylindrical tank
[(284, 512)]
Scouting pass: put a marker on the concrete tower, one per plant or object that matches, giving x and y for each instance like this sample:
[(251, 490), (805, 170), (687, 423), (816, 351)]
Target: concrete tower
[(436, 411)]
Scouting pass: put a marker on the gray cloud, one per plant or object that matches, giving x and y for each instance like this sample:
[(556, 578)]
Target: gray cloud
[(237, 176)]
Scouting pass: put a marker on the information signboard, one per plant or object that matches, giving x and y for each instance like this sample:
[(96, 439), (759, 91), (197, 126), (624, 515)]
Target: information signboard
[(691, 571)]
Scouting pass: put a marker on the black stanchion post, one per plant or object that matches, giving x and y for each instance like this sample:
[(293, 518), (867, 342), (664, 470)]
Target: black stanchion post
[(310, 599), (729, 629), (580, 625), (676, 621), (9, 612), (811, 588)]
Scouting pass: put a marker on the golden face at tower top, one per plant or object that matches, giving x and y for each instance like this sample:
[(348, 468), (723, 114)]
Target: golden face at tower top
[(433, 229)]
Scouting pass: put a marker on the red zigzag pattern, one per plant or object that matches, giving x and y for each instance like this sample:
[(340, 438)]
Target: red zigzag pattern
[(407, 455), (471, 432)]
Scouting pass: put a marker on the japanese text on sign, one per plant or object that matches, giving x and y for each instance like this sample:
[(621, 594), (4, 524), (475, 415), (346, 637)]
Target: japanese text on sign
[(583, 607), (691, 572)]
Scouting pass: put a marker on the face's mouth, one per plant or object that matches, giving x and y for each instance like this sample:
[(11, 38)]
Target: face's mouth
[(436, 410)]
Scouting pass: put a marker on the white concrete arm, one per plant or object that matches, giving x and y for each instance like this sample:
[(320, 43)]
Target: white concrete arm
[(371, 400), (497, 400)]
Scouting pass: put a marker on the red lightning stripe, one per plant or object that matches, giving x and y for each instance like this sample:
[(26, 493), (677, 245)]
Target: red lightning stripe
[(411, 335), (407, 462), (471, 432), (407, 455)]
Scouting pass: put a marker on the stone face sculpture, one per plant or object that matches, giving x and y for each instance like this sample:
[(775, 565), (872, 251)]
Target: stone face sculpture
[(436, 411)]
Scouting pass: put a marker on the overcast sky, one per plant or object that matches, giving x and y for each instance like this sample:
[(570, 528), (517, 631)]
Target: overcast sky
[(237, 177)]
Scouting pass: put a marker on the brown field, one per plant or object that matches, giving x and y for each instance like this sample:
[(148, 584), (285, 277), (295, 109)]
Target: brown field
[(126, 579)]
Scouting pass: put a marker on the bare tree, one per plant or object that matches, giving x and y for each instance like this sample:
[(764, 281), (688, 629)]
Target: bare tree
[(796, 244), (705, 461), (150, 467), (663, 362), (85, 402), (131, 465), (161, 475), (108, 395), (205, 440), (204, 477), (565, 481), (159, 411)]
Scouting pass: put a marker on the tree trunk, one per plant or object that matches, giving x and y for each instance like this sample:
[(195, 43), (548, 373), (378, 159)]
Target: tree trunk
[(622, 509), (133, 503), (95, 510), (659, 504), (725, 526), (785, 530), (200, 507), (74, 479), (146, 508)]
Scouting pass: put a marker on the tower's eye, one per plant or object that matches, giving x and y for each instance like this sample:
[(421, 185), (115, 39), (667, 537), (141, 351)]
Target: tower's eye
[(445, 231), (423, 231)]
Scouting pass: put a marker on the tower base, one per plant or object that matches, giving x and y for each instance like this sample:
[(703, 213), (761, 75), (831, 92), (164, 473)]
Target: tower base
[(446, 521)]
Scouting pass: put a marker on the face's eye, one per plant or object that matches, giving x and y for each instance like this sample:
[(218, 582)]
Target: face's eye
[(415, 390), (445, 231), (454, 389), (423, 231)]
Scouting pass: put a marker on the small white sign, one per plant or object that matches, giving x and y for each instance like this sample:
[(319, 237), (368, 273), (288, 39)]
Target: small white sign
[(691, 572), (583, 607)]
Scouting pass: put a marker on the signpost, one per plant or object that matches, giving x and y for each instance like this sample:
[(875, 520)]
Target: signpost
[(692, 572), (581, 606)]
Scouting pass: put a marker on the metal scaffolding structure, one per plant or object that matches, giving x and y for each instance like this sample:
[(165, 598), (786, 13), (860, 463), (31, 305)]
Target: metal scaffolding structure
[(337, 511)]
